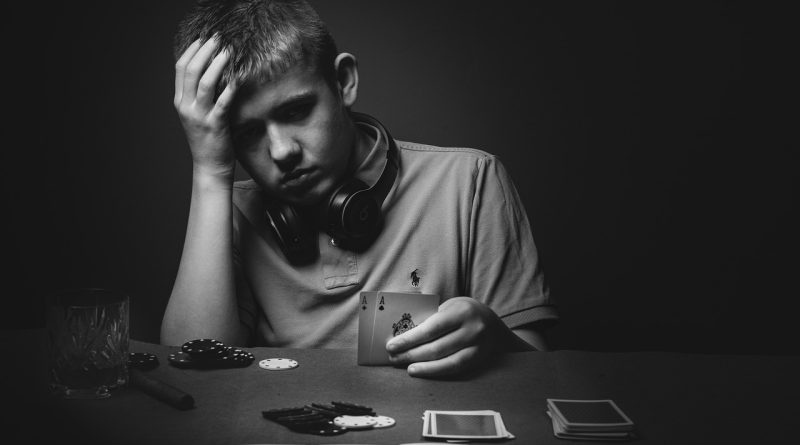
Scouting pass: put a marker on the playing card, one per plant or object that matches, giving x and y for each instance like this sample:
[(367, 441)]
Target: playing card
[(558, 431), (366, 322), (464, 425), (383, 315), (589, 415)]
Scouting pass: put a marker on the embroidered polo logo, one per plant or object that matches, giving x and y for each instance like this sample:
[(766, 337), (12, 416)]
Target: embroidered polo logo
[(405, 324), (415, 276)]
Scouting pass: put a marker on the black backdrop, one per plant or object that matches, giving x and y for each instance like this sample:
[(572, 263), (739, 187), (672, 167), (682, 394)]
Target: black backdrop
[(649, 143)]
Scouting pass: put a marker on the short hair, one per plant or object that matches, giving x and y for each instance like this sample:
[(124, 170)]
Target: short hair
[(266, 38)]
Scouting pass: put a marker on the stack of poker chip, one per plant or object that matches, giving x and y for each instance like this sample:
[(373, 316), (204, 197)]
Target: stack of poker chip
[(328, 419), (209, 353)]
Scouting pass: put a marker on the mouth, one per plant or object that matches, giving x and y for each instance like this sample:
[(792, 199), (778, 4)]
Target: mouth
[(298, 178)]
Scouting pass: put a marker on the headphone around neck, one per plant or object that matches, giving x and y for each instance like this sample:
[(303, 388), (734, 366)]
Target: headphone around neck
[(353, 216)]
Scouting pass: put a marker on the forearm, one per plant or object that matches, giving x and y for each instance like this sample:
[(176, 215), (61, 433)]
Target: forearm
[(203, 300)]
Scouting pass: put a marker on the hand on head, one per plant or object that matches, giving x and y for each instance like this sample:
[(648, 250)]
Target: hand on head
[(204, 119)]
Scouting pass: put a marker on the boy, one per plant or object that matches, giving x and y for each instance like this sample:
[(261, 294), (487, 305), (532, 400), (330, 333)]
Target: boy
[(335, 206)]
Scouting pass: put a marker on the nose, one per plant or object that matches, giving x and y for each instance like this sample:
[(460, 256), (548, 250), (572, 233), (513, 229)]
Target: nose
[(283, 148)]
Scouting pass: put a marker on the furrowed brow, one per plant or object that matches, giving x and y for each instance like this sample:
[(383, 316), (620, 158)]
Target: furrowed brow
[(295, 100), (286, 104)]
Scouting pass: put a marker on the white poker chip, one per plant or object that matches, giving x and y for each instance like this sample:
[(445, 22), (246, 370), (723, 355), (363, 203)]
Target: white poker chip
[(383, 422), (355, 422), (278, 364)]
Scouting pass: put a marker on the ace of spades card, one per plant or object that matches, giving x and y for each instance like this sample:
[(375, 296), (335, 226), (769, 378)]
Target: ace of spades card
[(383, 315)]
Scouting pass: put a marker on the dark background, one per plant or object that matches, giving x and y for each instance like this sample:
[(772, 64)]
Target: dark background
[(649, 143)]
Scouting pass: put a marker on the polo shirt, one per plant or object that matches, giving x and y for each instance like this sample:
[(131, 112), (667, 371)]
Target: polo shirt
[(454, 225)]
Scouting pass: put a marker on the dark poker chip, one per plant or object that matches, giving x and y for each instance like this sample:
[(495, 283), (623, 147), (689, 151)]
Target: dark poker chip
[(322, 430), (235, 358), (317, 425), (207, 354), (239, 354), (352, 409), (204, 349), (142, 361), (325, 410), (180, 360), (276, 413), (302, 418)]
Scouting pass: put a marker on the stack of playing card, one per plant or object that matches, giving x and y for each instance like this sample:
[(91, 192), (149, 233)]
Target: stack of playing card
[(589, 419), (464, 425)]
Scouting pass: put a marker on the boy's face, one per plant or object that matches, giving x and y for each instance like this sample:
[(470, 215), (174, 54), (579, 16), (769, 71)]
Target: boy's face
[(293, 136)]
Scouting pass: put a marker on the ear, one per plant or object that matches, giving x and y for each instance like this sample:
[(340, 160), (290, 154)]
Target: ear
[(347, 77)]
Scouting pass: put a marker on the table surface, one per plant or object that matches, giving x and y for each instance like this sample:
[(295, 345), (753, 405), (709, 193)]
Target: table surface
[(672, 397)]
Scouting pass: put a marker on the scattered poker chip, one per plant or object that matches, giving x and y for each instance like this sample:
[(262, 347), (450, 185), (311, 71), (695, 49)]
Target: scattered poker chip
[(142, 360), (325, 419), (277, 413), (355, 422), (351, 405), (325, 410), (278, 364), (326, 430), (352, 409), (304, 418), (383, 422)]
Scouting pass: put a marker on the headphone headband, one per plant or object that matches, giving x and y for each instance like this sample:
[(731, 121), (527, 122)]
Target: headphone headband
[(385, 182)]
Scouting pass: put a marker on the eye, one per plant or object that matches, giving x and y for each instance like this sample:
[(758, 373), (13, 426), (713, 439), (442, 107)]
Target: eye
[(248, 132), (295, 113)]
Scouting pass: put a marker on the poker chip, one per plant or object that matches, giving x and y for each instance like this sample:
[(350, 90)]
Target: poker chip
[(383, 422), (352, 409), (325, 419), (204, 349), (304, 420), (278, 364), (327, 430), (277, 413), (328, 411), (236, 357), (142, 360), (355, 422), (210, 354), (180, 360), (351, 406)]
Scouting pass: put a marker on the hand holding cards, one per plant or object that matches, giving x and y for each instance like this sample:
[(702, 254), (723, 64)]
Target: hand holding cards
[(383, 315)]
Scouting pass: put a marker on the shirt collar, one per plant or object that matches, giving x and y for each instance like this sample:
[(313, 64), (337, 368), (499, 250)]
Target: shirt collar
[(372, 166)]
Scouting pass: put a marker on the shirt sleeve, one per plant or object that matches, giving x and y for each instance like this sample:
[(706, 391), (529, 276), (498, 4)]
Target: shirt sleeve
[(504, 270)]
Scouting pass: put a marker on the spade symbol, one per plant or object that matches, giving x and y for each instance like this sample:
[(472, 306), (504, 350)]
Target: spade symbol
[(363, 308), (380, 307)]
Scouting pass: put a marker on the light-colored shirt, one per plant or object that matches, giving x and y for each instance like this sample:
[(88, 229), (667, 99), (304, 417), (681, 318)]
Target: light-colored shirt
[(454, 226)]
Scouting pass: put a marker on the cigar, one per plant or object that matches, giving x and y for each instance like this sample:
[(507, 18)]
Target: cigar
[(161, 390)]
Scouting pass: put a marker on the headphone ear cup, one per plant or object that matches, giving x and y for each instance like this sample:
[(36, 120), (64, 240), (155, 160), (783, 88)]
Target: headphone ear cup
[(296, 241), (353, 213)]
